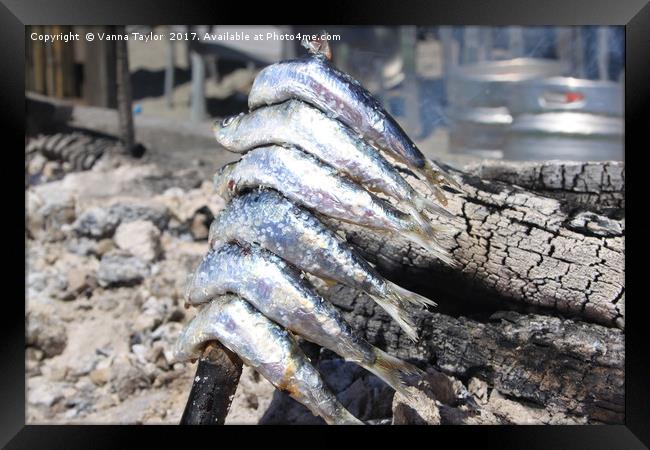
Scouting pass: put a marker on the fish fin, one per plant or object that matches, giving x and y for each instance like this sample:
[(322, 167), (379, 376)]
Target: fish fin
[(391, 304), (393, 371), (320, 281), (453, 183), (405, 296), (440, 195), (424, 204), (329, 283), (340, 416), (420, 219), (423, 239), (433, 182), (437, 176), (424, 224), (343, 417)]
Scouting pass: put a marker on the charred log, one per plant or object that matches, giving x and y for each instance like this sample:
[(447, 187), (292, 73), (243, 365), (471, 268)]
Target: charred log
[(521, 249), (562, 370)]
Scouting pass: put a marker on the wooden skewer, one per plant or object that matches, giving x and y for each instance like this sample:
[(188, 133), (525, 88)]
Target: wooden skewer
[(215, 383)]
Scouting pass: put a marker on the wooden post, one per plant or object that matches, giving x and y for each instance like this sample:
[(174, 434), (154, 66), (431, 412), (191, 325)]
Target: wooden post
[(124, 103), (49, 64), (67, 66), (198, 112), (169, 74), (59, 62), (100, 86)]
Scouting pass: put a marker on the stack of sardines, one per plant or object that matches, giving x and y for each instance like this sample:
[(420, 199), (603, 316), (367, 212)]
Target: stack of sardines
[(312, 146)]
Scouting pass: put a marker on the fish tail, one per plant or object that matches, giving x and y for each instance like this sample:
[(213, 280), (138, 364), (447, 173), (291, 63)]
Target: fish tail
[(417, 217), (391, 304), (424, 204), (395, 372), (424, 239), (342, 417), (423, 224), (434, 181), (402, 295), (439, 193), (436, 176)]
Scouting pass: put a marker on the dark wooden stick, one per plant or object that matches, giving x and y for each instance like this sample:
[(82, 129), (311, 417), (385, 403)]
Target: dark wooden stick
[(215, 383), (124, 99)]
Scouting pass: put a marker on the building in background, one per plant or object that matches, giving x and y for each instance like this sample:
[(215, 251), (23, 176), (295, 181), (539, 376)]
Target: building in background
[(513, 92)]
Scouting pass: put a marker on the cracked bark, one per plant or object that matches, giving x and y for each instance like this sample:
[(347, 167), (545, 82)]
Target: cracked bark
[(536, 311), (539, 369), (534, 237), (598, 186)]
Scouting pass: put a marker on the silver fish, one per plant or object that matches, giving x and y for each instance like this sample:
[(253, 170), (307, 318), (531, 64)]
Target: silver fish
[(305, 180), (266, 347), (314, 80), (278, 291), (269, 220), (297, 123)]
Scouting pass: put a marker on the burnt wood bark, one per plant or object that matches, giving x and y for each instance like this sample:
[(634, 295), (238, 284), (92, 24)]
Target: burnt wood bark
[(536, 310), (555, 246), (565, 371), (597, 186)]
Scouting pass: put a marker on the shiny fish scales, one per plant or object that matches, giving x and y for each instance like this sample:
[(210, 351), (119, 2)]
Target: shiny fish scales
[(295, 235), (305, 180), (280, 292), (297, 123), (314, 80), (266, 347)]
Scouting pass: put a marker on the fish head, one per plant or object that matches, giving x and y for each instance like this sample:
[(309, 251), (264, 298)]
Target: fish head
[(199, 288), (213, 233), (223, 129), (194, 295), (223, 182), (318, 45)]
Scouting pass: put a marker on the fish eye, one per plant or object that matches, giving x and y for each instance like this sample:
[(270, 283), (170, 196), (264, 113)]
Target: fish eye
[(227, 121)]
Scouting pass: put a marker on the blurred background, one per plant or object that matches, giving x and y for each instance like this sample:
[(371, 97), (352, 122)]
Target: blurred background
[(520, 93), (119, 154)]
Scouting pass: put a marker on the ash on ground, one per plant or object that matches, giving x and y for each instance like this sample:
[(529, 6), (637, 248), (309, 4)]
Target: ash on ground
[(109, 251)]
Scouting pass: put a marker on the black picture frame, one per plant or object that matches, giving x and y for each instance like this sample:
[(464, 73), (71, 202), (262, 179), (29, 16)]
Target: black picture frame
[(15, 14)]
